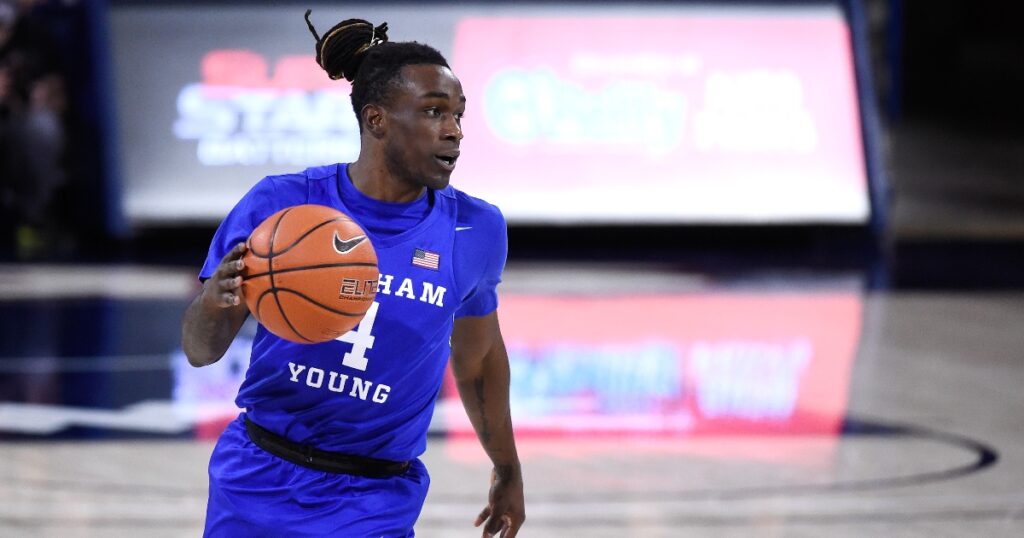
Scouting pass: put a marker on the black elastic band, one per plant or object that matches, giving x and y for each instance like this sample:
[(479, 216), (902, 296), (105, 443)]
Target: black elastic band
[(320, 460), (310, 24)]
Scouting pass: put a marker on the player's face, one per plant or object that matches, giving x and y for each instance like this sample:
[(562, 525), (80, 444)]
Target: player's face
[(425, 126)]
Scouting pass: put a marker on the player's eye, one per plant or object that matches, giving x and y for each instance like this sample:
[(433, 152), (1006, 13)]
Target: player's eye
[(433, 112), (459, 115)]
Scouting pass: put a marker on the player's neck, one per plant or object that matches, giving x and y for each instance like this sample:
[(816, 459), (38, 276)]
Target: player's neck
[(376, 182)]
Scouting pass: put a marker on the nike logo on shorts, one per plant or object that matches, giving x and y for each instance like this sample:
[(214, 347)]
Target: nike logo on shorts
[(461, 228)]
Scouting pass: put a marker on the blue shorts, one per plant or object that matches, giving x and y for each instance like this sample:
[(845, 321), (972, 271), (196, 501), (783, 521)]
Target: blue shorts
[(253, 493)]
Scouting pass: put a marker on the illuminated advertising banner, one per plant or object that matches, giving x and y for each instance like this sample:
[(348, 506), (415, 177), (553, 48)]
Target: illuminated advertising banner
[(698, 118), (575, 114), (676, 364), (686, 364)]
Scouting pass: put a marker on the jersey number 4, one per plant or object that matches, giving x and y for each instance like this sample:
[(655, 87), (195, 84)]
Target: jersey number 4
[(361, 340)]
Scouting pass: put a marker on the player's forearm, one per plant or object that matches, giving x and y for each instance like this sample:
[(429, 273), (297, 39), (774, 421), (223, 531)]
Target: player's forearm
[(485, 395), (207, 331)]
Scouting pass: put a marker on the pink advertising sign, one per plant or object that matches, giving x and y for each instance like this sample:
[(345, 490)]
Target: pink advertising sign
[(662, 365), (716, 117), (677, 364)]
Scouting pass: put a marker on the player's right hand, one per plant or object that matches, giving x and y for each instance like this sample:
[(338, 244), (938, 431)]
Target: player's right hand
[(224, 287)]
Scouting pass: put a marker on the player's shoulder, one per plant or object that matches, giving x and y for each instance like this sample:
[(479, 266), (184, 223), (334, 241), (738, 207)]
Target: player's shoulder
[(282, 185), (316, 173), (473, 211), (299, 181), (293, 188)]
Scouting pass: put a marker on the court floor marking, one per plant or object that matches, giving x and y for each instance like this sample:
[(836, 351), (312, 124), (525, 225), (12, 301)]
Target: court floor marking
[(984, 456), (97, 363)]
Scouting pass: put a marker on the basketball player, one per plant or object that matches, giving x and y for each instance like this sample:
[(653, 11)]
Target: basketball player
[(329, 440)]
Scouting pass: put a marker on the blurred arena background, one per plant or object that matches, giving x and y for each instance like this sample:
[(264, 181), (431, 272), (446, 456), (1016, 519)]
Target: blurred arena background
[(764, 271)]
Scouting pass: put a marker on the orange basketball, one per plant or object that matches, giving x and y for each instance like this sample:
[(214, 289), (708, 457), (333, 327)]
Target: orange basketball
[(310, 273)]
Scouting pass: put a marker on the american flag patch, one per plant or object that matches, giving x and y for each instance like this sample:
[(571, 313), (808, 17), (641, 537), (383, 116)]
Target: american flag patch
[(426, 259)]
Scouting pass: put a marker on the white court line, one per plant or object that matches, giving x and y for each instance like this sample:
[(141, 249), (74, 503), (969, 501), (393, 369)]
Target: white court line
[(157, 416), (100, 363), (626, 513), (31, 281)]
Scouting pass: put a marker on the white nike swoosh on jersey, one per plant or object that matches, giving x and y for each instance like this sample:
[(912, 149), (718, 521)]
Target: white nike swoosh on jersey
[(460, 228)]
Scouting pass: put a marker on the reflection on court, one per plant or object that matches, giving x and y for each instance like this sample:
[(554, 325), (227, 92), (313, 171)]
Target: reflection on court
[(780, 408)]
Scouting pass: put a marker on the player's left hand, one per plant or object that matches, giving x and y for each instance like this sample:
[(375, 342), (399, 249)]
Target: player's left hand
[(506, 509)]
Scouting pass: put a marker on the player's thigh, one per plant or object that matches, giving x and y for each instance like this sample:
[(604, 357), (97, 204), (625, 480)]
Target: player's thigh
[(253, 492)]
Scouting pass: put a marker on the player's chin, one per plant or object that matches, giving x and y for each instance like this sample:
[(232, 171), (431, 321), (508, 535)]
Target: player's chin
[(438, 181), (442, 172)]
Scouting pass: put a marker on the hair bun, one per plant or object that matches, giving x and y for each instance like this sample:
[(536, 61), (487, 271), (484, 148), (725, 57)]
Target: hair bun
[(341, 50)]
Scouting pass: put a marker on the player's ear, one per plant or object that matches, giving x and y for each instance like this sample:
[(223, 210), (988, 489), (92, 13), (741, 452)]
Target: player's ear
[(374, 120)]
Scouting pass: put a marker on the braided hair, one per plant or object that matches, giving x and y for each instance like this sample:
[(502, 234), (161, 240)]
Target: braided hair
[(360, 52)]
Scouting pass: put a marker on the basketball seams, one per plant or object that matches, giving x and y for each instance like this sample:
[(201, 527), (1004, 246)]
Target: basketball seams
[(270, 273), (298, 239), (310, 231), (270, 253), (294, 297), (311, 301), (286, 320), (271, 246), (311, 267), (259, 301)]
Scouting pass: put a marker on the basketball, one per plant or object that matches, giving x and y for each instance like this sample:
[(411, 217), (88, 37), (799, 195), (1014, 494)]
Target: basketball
[(310, 273)]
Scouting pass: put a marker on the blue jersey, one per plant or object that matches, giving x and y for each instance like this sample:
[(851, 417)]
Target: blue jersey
[(371, 392)]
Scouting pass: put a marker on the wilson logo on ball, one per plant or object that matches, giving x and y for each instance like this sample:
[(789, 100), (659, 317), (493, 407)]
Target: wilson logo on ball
[(342, 247)]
